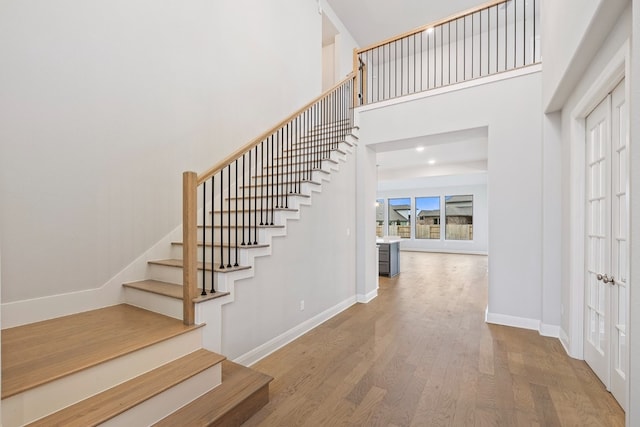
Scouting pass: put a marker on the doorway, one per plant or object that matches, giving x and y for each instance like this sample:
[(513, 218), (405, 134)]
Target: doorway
[(606, 242)]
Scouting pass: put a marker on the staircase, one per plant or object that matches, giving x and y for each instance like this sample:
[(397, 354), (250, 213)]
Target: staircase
[(145, 362)]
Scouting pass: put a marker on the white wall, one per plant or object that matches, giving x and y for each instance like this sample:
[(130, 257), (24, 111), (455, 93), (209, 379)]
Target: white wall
[(441, 187), (572, 31), (367, 263), (552, 203), (514, 176), (315, 262), (344, 43), (328, 67), (105, 103)]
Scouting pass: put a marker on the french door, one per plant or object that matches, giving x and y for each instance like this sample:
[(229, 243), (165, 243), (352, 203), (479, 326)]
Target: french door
[(606, 287)]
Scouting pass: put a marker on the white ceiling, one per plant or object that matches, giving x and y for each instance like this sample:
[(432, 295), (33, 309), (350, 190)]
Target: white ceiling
[(371, 21), (440, 155)]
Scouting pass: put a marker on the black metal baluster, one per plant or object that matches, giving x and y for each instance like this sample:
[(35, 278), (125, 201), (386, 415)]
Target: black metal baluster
[(464, 48), (524, 34), (428, 57), (473, 45), (249, 199), (441, 55), (534, 57), (236, 219), (497, 38), (262, 182), (401, 66), (204, 236), (289, 184), (480, 43), (266, 200), (221, 219), (229, 215), (244, 186), (272, 189), (254, 201), (213, 227), (515, 33), (506, 44), (277, 162)]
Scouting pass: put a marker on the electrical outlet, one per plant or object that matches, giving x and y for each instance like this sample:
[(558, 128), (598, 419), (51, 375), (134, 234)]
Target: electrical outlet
[(301, 305)]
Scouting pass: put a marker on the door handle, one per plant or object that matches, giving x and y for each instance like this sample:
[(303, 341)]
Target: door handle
[(606, 279)]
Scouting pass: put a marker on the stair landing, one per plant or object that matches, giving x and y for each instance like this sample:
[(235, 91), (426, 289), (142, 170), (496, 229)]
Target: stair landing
[(42, 352)]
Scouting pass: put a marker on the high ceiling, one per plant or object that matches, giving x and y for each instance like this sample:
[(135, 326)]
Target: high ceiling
[(371, 21)]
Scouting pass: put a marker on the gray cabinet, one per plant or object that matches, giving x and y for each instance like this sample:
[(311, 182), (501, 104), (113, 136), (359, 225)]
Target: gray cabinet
[(389, 259)]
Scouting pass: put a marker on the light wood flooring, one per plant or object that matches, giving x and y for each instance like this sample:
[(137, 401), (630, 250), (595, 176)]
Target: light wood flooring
[(420, 354)]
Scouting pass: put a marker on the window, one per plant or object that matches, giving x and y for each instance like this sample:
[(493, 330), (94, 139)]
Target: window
[(379, 217), (400, 217), (427, 217), (458, 217)]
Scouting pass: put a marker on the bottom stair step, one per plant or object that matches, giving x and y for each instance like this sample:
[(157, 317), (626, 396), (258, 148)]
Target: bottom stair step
[(116, 401), (243, 392)]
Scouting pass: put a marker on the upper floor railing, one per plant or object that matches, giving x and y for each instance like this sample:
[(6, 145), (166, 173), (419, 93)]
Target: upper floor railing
[(492, 38)]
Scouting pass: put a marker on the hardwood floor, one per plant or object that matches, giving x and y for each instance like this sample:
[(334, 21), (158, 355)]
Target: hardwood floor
[(421, 355)]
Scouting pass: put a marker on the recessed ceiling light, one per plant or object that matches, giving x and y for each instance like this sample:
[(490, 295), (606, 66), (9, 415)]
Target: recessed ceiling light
[(430, 30), (419, 149), (431, 162)]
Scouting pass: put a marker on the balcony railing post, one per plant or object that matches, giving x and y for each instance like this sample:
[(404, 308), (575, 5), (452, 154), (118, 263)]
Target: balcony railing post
[(190, 244)]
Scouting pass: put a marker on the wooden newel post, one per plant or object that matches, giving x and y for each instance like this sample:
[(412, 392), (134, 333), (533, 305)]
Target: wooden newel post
[(189, 245)]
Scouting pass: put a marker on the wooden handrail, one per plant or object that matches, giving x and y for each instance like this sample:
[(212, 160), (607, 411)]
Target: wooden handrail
[(245, 148), (431, 25)]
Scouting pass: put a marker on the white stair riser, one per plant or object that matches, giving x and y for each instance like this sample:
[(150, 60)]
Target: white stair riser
[(306, 154), (279, 218), (157, 303), (280, 188), (50, 397), (244, 255), (289, 202), (158, 407), (315, 175), (169, 274), (263, 233), (323, 165)]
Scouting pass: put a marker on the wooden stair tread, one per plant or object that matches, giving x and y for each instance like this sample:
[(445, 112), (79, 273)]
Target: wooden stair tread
[(228, 404), (233, 245), (290, 173), (42, 352), (306, 196), (241, 210), (307, 151), (171, 290), (179, 263), (247, 225), (290, 183), (114, 401), (306, 162)]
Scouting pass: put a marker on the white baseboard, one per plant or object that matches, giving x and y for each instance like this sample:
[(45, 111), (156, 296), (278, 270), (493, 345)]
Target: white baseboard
[(281, 340), (111, 293), (546, 330), (445, 251), (564, 340), (513, 321), (552, 331), (365, 298)]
